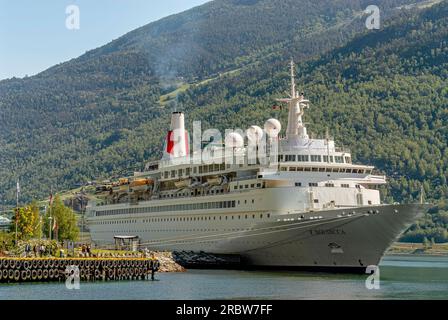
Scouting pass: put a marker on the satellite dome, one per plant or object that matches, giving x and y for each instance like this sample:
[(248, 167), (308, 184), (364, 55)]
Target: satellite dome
[(234, 140), (272, 127), (254, 134)]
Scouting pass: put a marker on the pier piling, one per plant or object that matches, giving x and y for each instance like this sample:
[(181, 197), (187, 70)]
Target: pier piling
[(90, 269)]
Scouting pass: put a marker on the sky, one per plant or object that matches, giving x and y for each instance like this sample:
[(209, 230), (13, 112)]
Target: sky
[(37, 34)]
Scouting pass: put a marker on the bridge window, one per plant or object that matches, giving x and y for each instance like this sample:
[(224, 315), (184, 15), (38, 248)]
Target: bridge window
[(338, 159), (316, 158)]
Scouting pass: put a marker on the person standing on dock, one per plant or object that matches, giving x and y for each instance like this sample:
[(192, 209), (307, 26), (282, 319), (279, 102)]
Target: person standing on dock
[(27, 250), (153, 266)]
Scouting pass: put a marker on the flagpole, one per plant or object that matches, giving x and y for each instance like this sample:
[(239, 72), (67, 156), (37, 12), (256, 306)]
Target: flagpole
[(17, 207), (49, 213)]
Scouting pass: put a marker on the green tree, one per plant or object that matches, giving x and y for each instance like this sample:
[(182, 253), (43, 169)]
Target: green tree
[(28, 222), (63, 221)]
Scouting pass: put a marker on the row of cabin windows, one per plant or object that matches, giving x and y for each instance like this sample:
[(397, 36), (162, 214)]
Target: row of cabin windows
[(314, 158), (339, 170), (191, 193), (197, 170), (330, 185), (211, 168), (185, 219), (247, 186), (174, 207)]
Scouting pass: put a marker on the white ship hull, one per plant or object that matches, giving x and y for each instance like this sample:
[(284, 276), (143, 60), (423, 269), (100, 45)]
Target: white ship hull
[(344, 239)]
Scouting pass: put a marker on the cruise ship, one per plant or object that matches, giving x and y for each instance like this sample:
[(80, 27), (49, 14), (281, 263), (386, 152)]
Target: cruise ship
[(277, 201)]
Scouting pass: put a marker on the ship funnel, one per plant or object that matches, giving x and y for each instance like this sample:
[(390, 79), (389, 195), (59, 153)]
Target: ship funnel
[(177, 138)]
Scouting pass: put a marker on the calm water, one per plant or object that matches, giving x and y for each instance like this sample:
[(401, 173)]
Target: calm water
[(401, 278)]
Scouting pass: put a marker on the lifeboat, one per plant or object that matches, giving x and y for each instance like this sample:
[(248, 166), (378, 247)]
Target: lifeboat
[(216, 181), (103, 190), (121, 186), (141, 184), (185, 183)]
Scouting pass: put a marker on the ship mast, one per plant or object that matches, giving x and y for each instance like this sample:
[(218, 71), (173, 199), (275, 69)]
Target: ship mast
[(296, 129), (293, 82)]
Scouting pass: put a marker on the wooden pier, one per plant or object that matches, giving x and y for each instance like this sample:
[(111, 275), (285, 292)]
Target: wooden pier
[(90, 269)]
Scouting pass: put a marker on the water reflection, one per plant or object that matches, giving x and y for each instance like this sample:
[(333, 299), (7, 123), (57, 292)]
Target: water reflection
[(401, 278)]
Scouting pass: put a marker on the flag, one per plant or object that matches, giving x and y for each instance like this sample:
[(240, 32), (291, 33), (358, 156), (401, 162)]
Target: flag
[(277, 107), (51, 199), (18, 187), (55, 224)]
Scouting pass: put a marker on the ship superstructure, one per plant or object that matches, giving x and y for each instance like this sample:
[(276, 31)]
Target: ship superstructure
[(289, 201)]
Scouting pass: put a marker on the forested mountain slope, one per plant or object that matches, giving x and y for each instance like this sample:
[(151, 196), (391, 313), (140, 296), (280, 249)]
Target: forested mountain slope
[(67, 125)]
